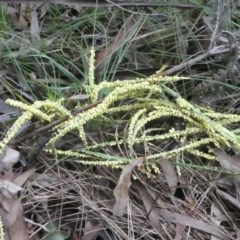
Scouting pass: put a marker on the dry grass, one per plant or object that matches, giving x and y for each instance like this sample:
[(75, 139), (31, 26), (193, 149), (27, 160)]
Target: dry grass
[(130, 41)]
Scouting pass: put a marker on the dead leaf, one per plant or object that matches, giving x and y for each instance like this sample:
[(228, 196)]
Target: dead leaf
[(121, 190), (10, 187), (7, 117), (24, 16), (11, 209), (18, 231), (5, 108), (231, 199), (178, 218), (12, 216), (230, 163), (216, 217), (151, 210), (21, 179), (34, 27), (79, 97), (10, 213), (170, 174), (46, 180), (8, 175), (238, 234), (220, 14), (155, 214), (115, 44), (12, 15), (129, 29), (10, 157), (179, 231)]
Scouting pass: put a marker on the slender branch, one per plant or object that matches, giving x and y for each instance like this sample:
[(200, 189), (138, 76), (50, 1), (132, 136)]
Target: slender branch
[(214, 51)]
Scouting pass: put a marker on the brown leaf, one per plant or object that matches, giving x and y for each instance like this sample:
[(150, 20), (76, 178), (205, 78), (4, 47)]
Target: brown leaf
[(24, 16), (12, 15), (46, 180), (151, 210), (8, 175), (18, 231), (216, 217), (13, 184), (5, 108), (6, 204), (116, 42), (12, 217), (230, 163), (179, 231), (10, 187), (35, 27), (10, 157), (238, 234), (11, 209), (170, 174), (12, 206), (129, 28), (21, 179), (178, 218), (121, 190), (231, 199), (80, 97)]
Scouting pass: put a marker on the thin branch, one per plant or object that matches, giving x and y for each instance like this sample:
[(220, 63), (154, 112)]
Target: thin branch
[(214, 51)]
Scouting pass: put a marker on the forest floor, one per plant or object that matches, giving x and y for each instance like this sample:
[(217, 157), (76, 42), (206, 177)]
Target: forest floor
[(46, 55)]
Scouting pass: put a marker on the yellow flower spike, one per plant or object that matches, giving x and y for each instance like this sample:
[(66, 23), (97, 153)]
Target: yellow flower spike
[(2, 233), (126, 108), (100, 109), (33, 109), (133, 122), (67, 153), (91, 85), (82, 135), (175, 152), (91, 68), (142, 99), (25, 117), (56, 106)]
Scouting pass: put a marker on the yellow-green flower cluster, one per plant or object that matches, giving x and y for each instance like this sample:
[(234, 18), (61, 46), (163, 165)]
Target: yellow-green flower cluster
[(28, 112), (2, 233), (141, 101), (124, 83), (34, 109), (132, 131), (127, 108), (175, 152), (91, 67), (67, 153), (118, 94), (91, 84), (25, 117), (51, 106), (166, 79), (183, 103)]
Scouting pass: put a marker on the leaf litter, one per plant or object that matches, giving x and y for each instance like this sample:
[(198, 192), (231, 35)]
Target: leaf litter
[(121, 190), (11, 210), (74, 194)]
